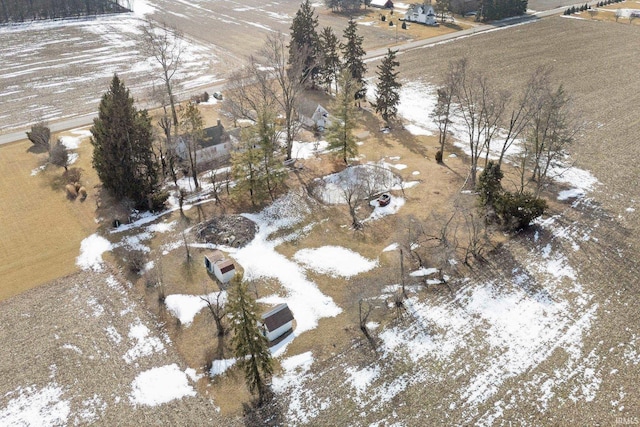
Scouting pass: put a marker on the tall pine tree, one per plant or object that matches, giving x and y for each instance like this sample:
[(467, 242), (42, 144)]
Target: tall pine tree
[(123, 152), (304, 45), (387, 90), (250, 346), (340, 131), (353, 57), (329, 48)]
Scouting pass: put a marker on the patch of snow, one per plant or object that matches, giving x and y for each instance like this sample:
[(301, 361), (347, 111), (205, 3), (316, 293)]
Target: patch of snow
[(144, 344), (91, 250), (334, 261), (307, 150), (391, 247), (71, 142), (162, 227), (382, 211), (260, 259), (37, 170), (417, 130), (219, 367), (113, 334), (160, 385), (360, 379), (371, 178), (293, 367), (186, 307), (423, 272), (90, 411), (35, 407)]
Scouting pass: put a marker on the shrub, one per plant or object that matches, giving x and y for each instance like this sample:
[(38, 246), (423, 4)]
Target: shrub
[(516, 211), (439, 156), (72, 175), (39, 136), (59, 156), (157, 200), (136, 261)]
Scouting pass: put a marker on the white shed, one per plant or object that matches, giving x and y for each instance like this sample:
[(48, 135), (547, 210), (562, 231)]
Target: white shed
[(421, 13), (277, 322), (224, 269)]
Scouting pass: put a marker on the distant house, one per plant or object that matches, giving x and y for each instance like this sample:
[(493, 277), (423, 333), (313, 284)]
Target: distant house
[(421, 13), (382, 4), (224, 269), (313, 118), (216, 144), (277, 322)]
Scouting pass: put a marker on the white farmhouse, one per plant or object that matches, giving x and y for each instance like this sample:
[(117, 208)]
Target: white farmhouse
[(318, 118), (421, 13)]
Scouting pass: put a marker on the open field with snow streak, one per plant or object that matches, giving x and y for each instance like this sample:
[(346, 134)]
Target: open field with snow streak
[(92, 354), (53, 70)]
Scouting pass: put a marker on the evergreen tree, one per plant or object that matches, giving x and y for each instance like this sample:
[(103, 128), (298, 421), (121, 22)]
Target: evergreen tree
[(256, 167), (340, 131), (353, 54), (250, 346), (489, 184), (329, 46), (304, 45), (387, 90), (192, 132), (123, 147)]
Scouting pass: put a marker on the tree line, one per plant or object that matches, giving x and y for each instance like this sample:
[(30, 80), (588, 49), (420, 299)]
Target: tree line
[(33, 10), (492, 10)]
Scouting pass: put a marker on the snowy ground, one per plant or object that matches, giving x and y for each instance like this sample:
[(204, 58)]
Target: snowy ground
[(100, 358)]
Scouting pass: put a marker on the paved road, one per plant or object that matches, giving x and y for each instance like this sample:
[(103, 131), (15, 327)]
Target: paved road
[(86, 120)]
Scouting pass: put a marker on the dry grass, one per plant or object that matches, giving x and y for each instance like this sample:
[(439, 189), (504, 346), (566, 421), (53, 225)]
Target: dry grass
[(41, 229)]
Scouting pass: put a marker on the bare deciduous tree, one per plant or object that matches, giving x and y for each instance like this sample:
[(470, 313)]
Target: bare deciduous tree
[(289, 85), (164, 44), (215, 303), (553, 129), (480, 107), (354, 191), (364, 310), (525, 108), (59, 156)]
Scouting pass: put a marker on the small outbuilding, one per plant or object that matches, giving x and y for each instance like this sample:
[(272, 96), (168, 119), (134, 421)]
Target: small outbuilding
[(277, 322), (382, 4), (223, 268)]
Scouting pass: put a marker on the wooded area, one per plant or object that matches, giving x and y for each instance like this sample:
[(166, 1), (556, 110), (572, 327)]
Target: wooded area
[(33, 10)]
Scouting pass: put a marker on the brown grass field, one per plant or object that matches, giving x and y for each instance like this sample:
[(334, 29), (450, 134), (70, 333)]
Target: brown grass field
[(595, 61), (41, 229)]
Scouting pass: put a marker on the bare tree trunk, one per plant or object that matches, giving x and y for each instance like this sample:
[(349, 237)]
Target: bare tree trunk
[(363, 317)]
